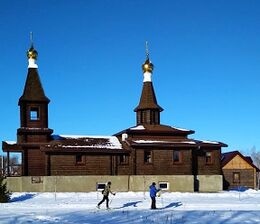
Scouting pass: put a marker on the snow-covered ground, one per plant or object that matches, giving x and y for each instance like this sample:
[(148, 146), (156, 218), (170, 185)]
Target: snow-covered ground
[(224, 207)]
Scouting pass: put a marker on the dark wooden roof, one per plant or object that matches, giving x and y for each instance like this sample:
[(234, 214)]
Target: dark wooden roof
[(248, 158), (228, 156), (163, 136), (157, 129), (34, 130), (166, 143), (33, 90), (11, 146), (19, 147), (95, 144), (148, 98)]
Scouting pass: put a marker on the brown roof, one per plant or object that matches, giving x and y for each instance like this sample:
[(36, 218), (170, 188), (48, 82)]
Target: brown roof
[(228, 156), (34, 130), (248, 158), (164, 136), (148, 98), (184, 142), (157, 129), (33, 90), (11, 146), (162, 143), (100, 144)]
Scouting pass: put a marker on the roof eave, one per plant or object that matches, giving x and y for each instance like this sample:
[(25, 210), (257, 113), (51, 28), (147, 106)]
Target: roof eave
[(11, 147), (58, 149), (164, 145)]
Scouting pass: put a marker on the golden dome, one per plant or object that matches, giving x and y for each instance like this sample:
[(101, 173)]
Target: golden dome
[(32, 53), (147, 66)]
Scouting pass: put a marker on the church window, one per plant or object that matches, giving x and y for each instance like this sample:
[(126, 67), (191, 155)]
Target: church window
[(34, 114), (154, 117), (147, 157), (177, 156), (123, 159), (236, 177), (209, 158), (143, 114), (80, 159)]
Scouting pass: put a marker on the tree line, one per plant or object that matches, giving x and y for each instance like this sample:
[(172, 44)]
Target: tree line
[(15, 168)]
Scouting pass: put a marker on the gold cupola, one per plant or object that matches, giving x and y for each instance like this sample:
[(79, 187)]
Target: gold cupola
[(147, 66), (32, 53)]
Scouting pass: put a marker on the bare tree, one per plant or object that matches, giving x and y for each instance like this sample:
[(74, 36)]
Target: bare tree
[(1, 166), (255, 155), (14, 166)]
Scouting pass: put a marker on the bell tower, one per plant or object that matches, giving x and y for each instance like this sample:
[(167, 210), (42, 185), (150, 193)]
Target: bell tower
[(148, 111), (33, 106)]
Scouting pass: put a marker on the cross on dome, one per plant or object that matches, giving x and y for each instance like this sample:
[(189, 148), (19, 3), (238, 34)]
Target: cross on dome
[(32, 54), (147, 66)]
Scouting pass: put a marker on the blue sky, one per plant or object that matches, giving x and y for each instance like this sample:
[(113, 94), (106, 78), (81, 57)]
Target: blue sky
[(206, 56)]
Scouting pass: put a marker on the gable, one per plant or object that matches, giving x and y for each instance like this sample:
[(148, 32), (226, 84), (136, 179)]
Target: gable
[(238, 163)]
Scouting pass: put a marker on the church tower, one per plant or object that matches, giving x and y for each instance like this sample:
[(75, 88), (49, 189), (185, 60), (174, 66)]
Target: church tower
[(33, 106), (148, 111)]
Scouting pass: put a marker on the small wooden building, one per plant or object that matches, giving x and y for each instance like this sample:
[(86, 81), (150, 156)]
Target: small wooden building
[(238, 171), (148, 148)]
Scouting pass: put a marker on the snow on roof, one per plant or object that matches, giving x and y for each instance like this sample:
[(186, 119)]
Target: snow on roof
[(139, 127), (210, 142), (163, 142), (188, 142), (10, 142), (28, 128), (148, 141), (180, 129), (88, 141), (87, 136)]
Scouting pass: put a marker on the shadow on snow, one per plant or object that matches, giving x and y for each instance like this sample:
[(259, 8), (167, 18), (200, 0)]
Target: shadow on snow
[(134, 204), (239, 189), (173, 204), (129, 204), (23, 197)]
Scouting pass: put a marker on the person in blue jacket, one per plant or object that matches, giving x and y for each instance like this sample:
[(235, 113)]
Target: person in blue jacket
[(153, 192)]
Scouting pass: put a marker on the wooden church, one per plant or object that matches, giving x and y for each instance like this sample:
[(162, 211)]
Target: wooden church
[(148, 148)]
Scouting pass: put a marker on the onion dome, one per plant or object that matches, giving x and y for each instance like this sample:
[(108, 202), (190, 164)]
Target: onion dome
[(147, 66), (32, 53)]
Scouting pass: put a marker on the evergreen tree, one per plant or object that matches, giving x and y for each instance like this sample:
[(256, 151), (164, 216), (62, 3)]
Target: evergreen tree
[(4, 193)]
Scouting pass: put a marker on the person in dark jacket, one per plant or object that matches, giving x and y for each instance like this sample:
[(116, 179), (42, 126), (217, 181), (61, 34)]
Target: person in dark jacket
[(105, 193), (153, 192)]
